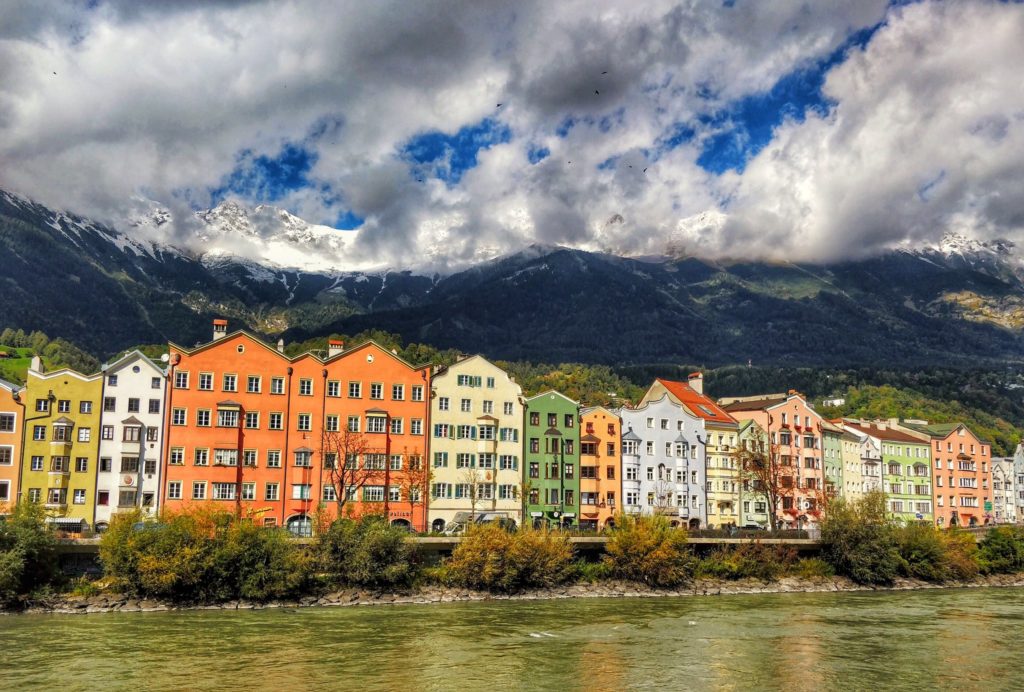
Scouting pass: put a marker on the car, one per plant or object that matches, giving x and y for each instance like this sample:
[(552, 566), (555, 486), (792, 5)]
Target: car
[(500, 518), (752, 527)]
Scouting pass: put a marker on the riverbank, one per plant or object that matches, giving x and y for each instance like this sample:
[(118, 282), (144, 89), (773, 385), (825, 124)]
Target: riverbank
[(109, 603)]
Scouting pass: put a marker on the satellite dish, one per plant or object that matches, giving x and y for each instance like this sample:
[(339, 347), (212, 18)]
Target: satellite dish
[(165, 357)]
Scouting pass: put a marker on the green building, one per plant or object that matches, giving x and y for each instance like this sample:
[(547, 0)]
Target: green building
[(753, 500), (551, 472), (832, 447), (906, 470)]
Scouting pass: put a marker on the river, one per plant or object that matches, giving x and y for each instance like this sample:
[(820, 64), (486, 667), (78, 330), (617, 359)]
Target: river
[(963, 639)]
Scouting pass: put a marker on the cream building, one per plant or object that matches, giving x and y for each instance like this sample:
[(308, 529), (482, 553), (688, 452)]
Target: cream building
[(476, 421)]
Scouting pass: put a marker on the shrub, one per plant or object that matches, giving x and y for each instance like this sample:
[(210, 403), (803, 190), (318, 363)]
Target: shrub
[(923, 550), (590, 572), (961, 555), (748, 560), (28, 552), (858, 540), (1002, 550), (649, 550), (201, 556), (492, 558), (367, 552), (812, 568)]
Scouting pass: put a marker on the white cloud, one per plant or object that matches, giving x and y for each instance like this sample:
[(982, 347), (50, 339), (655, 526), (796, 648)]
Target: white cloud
[(151, 99)]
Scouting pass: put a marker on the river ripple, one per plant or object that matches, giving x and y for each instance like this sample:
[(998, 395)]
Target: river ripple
[(938, 639)]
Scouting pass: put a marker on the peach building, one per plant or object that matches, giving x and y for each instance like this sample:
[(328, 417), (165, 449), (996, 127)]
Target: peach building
[(600, 467)]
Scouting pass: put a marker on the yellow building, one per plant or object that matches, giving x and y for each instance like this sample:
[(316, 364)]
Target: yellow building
[(62, 434)]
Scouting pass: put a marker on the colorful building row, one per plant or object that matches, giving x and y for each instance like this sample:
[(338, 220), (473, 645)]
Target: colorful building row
[(236, 424)]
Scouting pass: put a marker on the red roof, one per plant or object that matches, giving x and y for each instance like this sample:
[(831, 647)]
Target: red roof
[(701, 405), (887, 434)]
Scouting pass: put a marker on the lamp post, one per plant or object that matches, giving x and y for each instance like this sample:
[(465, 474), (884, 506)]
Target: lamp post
[(387, 459), (556, 435)]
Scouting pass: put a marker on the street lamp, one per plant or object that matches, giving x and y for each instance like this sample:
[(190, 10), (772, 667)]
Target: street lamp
[(556, 434), (387, 459)]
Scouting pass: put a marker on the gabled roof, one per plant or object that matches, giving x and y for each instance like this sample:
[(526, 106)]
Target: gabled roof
[(941, 430), (63, 420), (591, 409), (10, 386), (224, 339), (887, 434), (630, 436), (755, 404), (552, 391), (590, 438), (831, 427), (129, 357), (699, 404), (131, 420)]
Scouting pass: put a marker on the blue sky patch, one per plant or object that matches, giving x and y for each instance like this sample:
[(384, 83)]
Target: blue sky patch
[(537, 154), (266, 179), (348, 221), (448, 157)]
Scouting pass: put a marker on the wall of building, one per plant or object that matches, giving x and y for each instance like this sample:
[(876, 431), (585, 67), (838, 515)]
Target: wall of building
[(600, 467), (551, 462), (12, 418)]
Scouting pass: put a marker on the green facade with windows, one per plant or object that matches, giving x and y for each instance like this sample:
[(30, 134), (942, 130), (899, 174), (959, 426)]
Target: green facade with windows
[(907, 479), (551, 469)]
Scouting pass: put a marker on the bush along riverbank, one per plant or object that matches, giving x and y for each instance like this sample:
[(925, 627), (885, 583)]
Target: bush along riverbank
[(212, 560)]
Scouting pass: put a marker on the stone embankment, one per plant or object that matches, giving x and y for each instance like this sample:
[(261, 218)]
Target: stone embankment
[(107, 603)]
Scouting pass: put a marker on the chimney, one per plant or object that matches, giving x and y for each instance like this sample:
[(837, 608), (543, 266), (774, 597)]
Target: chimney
[(280, 345), (37, 364), (696, 381), (334, 347), (220, 329)]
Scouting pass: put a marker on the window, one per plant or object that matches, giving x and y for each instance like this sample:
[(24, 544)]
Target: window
[(508, 462), (374, 462), (490, 383), (274, 459), (126, 498), (253, 384), (331, 423), (376, 424), (7, 421), (224, 491), (249, 457), (465, 432), (42, 405), (395, 464), (333, 388), (227, 418), (355, 390), (178, 416), (277, 385), (173, 490), (417, 392), (329, 494), (507, 492), (487, 432), (416, 426), (534, 469), (508, 435), (201, 457), (248, 491), (373, 493), (6, 456), (62, 433), (441, 490), (398, 392), (129, 464), (252, 420), (465, 461), (305, 387), (133, 405), (181, 379), (154, 406), (507, 408), (198, 490), (154, 383), (85, 407), (203, 418), (534, 418), (270, 491), (552, 420), (376, 390), (225, 457), (39, 433), (230, 383), (353, 424), (64, 406), (33, 494), (109, 404), (466, 405), (84, 434), (81, 464), (177, 457), (304, 422), (275, 422), (443, 403), (206, 381), (303, 458)]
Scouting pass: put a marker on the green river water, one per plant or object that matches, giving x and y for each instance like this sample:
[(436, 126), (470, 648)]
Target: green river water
[(952, 639)]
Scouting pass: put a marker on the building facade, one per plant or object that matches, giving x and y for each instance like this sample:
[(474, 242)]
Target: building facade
[(853, 470), (62, 422), (600, 467), (130, 437), (663, 461), (12, 416), (962, 488), (476, 442), (794, 432), (753, 502), (905, 469), (551, 480), (1004, 491), (832, 457)]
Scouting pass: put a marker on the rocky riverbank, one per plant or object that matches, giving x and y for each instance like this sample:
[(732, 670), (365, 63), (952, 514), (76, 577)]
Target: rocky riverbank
[(108, 603)]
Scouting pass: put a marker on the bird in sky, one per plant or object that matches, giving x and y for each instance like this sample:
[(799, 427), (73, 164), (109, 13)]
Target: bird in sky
[(597, 92)]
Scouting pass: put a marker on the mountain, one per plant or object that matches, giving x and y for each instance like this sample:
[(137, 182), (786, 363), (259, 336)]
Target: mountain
[(957, 302)]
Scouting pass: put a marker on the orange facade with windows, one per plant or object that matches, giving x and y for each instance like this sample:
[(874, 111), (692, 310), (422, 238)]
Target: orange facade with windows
[(600, 467), (962, 481), (249, 429), (12, 420)]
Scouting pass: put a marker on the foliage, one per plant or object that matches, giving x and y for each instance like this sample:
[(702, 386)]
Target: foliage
[(812, 568), (28, 557), (367, 552), (648, 549), (859, 542), (591, 572), (492, 558), (591, 385), (201, 556), (1001, 551), (84, 587), (748, 561)]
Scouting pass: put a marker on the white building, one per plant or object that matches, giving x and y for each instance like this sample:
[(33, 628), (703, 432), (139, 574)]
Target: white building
[(663, 462), (476, 417), (1004, 490), (131, 437)]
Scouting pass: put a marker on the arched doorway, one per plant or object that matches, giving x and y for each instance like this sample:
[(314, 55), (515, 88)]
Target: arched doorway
[(402, 524), (300, 525), (609, 525), (437, 526), (101, 526), (694, 524)]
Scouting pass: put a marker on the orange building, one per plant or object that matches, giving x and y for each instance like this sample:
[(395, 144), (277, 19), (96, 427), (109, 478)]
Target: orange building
[(600, 467), (250, 430), (377, 417), (12, 422), (961, 474)]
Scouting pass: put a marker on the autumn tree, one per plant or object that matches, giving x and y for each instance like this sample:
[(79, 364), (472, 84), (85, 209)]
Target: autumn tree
[(767, 472), (415, 484), (345, 467)]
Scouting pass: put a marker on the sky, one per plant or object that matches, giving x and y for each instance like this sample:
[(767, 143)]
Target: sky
[(442, 133)]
